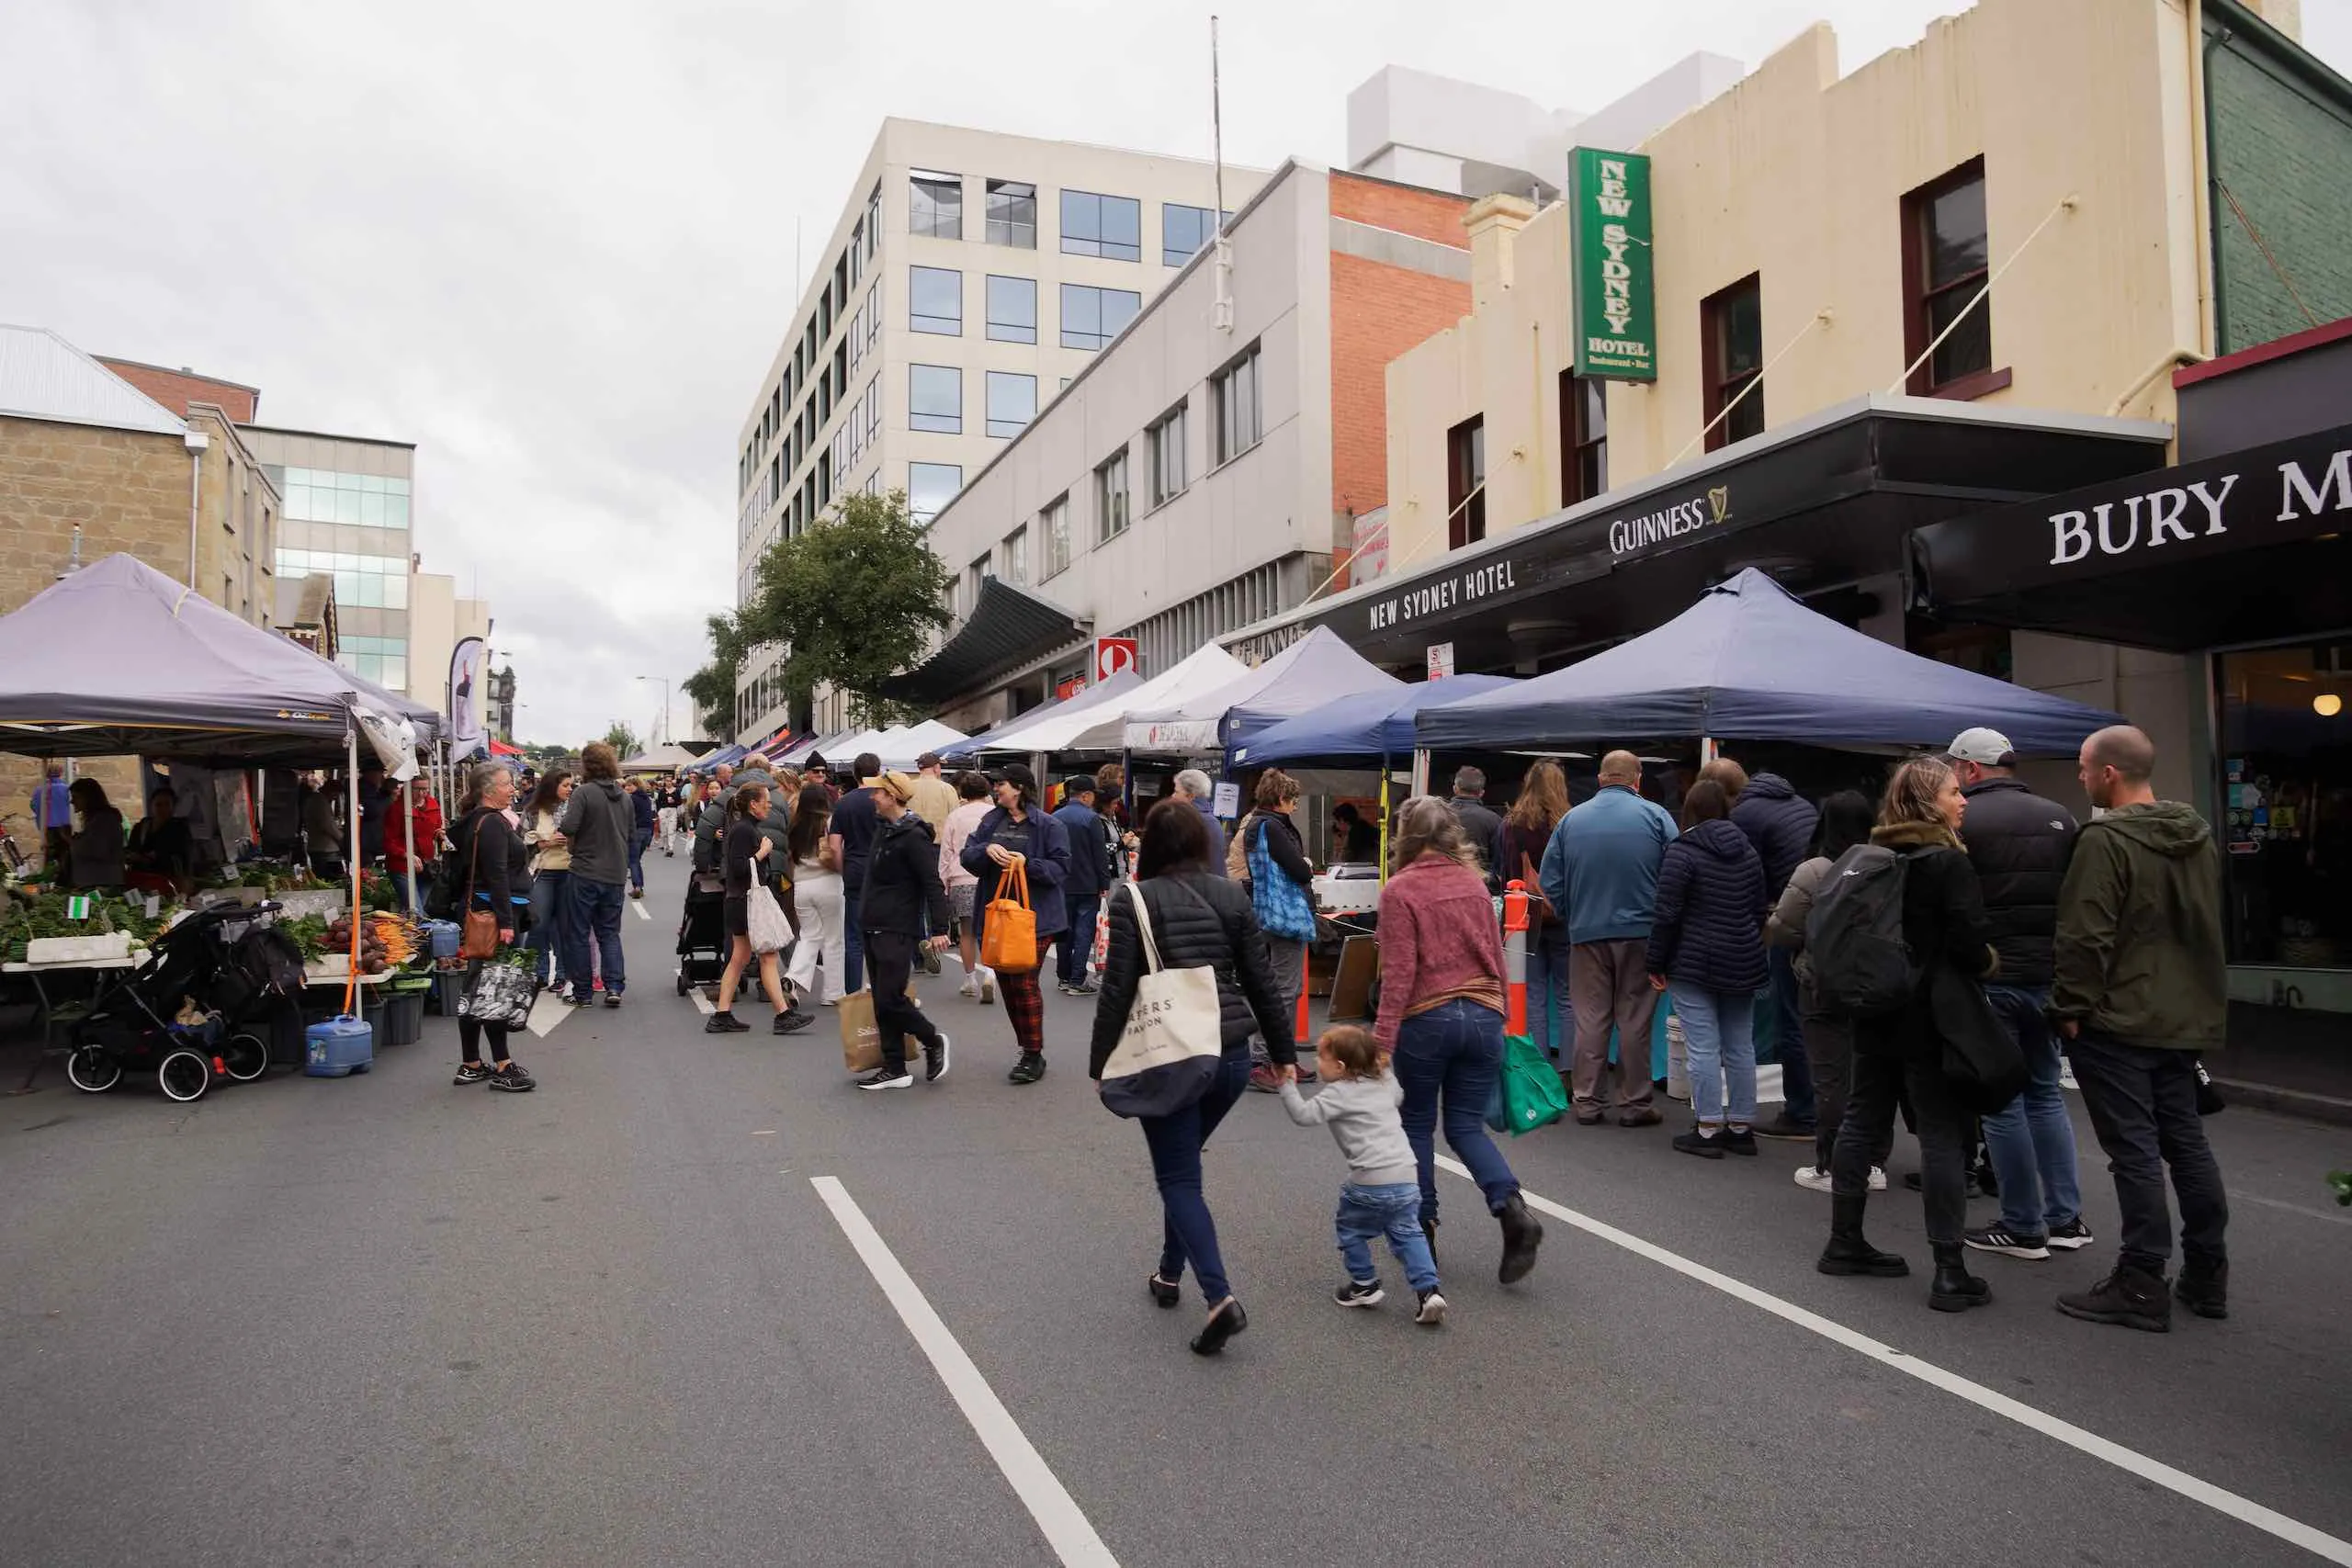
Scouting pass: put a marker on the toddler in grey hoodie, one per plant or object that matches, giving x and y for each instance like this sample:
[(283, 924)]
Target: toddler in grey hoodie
[(1382, 1195)]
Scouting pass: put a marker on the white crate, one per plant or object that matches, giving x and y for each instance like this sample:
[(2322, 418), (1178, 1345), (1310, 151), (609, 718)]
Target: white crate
[(77, 948)]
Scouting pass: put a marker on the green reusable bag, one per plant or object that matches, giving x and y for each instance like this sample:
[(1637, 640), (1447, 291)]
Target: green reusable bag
[(1532, 1094)]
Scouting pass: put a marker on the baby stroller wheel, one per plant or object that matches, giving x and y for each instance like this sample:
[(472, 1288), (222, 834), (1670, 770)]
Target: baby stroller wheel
[(184, 1074), (682, 982), (245, 1056), (92, 1071)]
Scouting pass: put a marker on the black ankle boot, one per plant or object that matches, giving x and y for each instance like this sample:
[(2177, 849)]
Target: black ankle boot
[(1847, 1252), (1522, 1234), (1954, 1289), (2204, 1289)]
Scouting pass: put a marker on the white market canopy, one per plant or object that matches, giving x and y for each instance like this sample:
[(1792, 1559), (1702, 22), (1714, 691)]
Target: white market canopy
[(1103, 727), (661, 760), (1310, 672)]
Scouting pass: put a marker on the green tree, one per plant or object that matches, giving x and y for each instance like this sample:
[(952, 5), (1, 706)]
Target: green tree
[(621, 737), (854, 600), (712, 688)]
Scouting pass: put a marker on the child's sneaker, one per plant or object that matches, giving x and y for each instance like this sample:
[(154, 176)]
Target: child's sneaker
[(1361, 1293), (1432, 1309)]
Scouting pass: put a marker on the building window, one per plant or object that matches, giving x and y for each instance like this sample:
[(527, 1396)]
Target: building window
[(936, 398), (1168, 475), (1944, 260), (1184, 230), (365, 501), (1013, 309), (1055, 522), (1016, 557), (935, 301), (1583, 438), (1731, 325), (2284, 795), (1110, 494), (975, 577), (1240, 416), (1092, 316), (1465, 483), (1106, 226), (930, 486), (1012, 214), (1012, 403), (935, 205)]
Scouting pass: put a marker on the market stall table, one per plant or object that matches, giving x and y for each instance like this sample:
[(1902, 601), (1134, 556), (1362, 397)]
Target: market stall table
[(52, 1014)]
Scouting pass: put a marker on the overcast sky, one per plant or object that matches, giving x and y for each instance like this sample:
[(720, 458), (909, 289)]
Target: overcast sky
[(552, 244)]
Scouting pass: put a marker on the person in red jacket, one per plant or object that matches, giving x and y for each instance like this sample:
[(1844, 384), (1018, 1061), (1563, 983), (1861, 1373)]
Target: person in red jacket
[(414, 811), (1441, 1014)]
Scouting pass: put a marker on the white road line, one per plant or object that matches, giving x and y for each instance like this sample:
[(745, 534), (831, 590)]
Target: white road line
[(546, 1012), (2345, 1219), (1065, 1526), (2293, 1531), (703, 1004), (639, 905)]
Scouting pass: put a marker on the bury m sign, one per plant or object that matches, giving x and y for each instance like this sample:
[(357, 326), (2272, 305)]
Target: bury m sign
[(2297, 490)]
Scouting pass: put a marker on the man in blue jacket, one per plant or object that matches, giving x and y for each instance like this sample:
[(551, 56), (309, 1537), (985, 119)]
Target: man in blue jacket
[(1601, 874), (1083, 889), (1780, 822)]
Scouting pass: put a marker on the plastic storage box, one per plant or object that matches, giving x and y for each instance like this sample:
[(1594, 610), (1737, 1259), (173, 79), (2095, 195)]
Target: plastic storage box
[(400, 1018), (337, 1047)]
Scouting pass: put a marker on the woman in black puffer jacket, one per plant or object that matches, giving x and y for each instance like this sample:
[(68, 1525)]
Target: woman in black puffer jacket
[(1707, 949), (1900, 1058), (1198, 919)]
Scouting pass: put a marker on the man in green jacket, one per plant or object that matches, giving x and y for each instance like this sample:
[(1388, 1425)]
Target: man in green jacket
[(2140, 991)]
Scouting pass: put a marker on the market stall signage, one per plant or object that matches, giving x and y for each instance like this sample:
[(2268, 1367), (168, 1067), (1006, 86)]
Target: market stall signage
[(1616, 310), (2290, 490), (1661, 527)]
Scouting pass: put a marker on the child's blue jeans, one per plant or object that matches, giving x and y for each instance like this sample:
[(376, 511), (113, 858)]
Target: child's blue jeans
[(1395, 1212)]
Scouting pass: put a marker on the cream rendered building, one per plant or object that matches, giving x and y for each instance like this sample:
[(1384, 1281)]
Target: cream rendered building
[(969, 277)]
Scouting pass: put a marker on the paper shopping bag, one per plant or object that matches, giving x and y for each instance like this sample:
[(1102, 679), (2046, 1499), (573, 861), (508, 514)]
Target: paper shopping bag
[(861, 1035)]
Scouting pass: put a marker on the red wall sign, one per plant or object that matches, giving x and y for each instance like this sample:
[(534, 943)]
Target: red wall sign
[(1112, 654)]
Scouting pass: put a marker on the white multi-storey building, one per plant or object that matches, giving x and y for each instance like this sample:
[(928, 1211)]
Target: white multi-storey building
[(971, 277)]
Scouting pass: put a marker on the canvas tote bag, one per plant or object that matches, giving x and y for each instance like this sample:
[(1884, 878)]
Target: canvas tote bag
[(1175, 1038), (1009, 929)]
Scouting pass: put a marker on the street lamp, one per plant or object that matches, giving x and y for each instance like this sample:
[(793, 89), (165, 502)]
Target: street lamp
[(663, 738)]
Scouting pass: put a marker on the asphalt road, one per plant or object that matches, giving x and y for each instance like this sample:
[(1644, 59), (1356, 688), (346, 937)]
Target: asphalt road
[(384, 1320)]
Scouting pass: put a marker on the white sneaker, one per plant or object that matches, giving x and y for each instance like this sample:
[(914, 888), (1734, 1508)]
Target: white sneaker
[(1431, 1311), (970, 987), (988, 986), (1878, 1178), (1813, 1178)]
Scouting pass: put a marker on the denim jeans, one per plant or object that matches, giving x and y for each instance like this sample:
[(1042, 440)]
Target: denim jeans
[(2143, 1105), (595, 922), (636, 843), (1188, 1233), (2031, 1139), (1548, 999), (1448, 1059), (1787, 1039), (551, 937), (1394, 1211), (1076, 944), (1719, 1032)]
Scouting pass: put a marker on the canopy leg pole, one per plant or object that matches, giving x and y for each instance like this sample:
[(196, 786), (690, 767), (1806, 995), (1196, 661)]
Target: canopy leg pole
[(1420, 772), (408, 839), (1383, 816), (1707, 752), (351, 859)]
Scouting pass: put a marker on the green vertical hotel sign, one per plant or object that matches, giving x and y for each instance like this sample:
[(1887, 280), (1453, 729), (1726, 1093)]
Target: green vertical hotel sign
[(1616, 322)]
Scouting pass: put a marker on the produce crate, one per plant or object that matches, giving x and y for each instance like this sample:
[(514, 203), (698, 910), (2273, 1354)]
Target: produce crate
[(399, 1017)]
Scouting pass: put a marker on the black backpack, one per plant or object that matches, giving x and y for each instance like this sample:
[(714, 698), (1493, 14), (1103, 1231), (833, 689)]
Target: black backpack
[(1862, 965)]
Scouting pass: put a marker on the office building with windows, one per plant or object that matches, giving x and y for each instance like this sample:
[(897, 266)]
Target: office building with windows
[(1194, 476), (969, 278), (348, 514)]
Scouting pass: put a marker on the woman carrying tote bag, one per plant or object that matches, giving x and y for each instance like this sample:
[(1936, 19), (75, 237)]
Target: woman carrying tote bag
[(1198, 921), (1021, 847)]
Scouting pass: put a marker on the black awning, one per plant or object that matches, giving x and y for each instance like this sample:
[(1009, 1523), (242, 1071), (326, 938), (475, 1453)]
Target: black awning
[(2236, 548), (1821, 504), (1008, 628)]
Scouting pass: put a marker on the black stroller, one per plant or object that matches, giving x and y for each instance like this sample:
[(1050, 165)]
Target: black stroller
[(702, 932), (184, 1015)]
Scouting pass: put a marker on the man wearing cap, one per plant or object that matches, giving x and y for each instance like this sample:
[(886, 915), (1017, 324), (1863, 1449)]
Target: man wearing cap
[(1083, 887), (934, 796), (2021, 845)]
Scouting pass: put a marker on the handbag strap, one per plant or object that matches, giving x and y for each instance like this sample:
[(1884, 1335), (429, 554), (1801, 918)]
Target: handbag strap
[(473, 855), (1143, 925), (1017, 878)]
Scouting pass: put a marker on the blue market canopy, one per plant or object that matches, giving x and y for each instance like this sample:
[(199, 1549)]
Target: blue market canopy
[(1302, 678), (1368, 724), (1749, 662)]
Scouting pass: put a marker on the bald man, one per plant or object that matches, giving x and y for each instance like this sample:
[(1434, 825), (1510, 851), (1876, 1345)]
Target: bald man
[(2140, 988), (1600, 873)]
